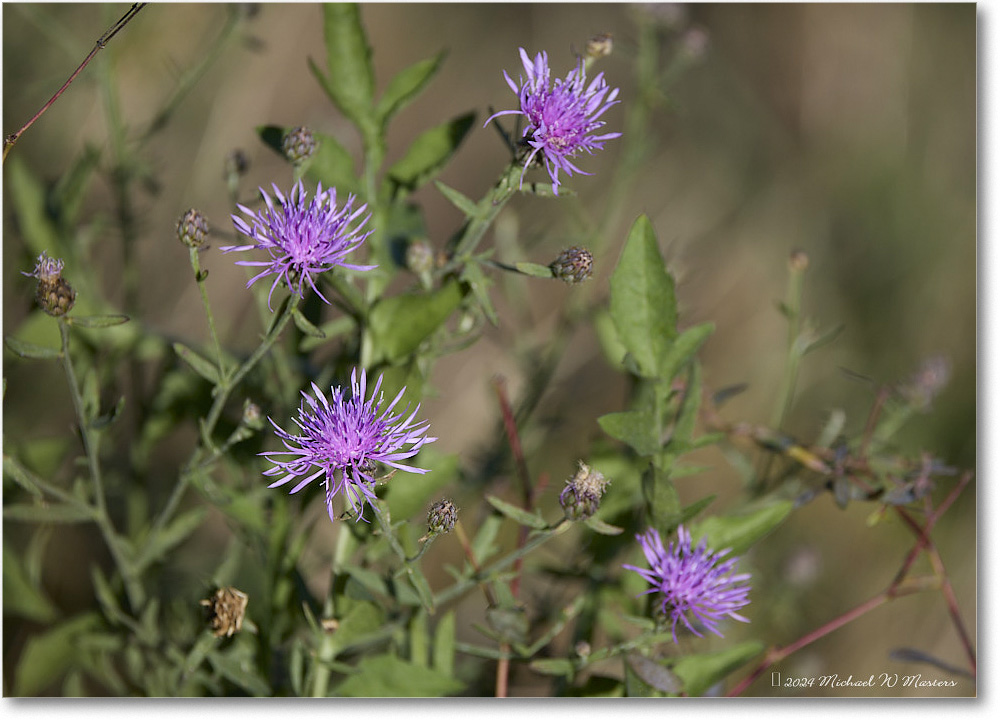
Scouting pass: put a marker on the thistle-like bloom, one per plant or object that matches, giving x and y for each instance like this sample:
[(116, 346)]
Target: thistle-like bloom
[(344, 439), (303, 238), (692, 581), (562, 116)]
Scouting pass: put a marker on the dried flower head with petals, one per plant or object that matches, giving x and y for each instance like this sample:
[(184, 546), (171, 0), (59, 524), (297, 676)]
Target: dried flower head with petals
[(562, 115), (581, 496), (697, 587), (303, 237), (343, 440), (226, 609)]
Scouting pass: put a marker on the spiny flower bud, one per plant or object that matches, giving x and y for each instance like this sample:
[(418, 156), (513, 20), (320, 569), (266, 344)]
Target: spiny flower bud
[(299, 144), (574, 265), (192, 229), (582, 495), (226, 610), (420, 257), (600, 46), (442, 517), (55, 296)]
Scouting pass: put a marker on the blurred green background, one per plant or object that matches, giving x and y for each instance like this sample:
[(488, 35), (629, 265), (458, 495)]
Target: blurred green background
[(845, 131)]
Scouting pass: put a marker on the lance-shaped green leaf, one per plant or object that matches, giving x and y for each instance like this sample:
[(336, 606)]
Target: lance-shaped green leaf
[(430, 152), (27, 198), (479, 282), (605, 529), (305, 325), (652, 673), (48, 512), (238, 669), (30, 350), (387, 676), (683, 349), (160, 542), (206, 369), (553, 666), (443, 658), (350, 77), (636, 428), (398, 325), (97, 321), (20, 596), (405, 86), (457, 199), (740, 532), (662, 502), (525, 518), (643, 305), (535, 270), (700, 671), (48, 655)]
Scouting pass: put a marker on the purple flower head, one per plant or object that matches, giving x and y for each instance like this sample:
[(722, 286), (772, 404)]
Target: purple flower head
[(692, 581), (344, 439), (47, 270), (562, 116), (303, 238)]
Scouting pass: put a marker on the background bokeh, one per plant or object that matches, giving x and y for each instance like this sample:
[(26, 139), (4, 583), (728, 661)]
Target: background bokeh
[(845, 131)]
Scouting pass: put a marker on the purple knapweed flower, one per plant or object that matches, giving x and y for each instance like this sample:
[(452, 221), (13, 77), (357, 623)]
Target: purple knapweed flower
[(302, 237), (344, 439), (562, 117), (692, 581)]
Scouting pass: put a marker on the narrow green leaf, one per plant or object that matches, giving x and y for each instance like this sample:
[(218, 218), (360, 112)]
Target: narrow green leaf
[(605, 529), (96, 321), (30, 350), (699, 672), (483, 544), (48, 655), (643, 306), (419, 641), (531, 520), (305, 325), (48, 512), (430, 152), (553, 666), (422, 587), (683, 349), (535, 270), (331, 329), (240, 671), (370, 580), (20, 596), (683, 431), (350, 77), (607, 335), (387, 676), (400, 324), (662, 502), (739, 532), (636, 428), (27, 199), (457, 199), (405, 86), (22, 476), (71, 189), (206, 369), (444, 645), (272, 136), (472, 273), (820, 341), (158, 544), (652, 673)]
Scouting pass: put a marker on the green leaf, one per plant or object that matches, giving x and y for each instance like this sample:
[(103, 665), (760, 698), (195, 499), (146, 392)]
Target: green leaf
[(407, 496), (371, 581), (71, 189), (206, 369), (350, 78), (331, 329), (683, 431), (652, 673), (472, 273), (20, 596), (47, 656), (96, 321), (30, 350), (535, 270), (400, 324), (239, 670), (430, 152), (159, 543), (662, 502), (820, 341), (387, 676), (27, 196), (444, 645), (305, 325), (605, 529), (636, 428), (333, 166), (643, 306), (362, 620), (531, 520), (599, 687), (48, 512), (457, 199), (739, 532), (405, 86), (553, 666), (683, 349), (272, 136), (607, 336), (419, 640), (700, 671)]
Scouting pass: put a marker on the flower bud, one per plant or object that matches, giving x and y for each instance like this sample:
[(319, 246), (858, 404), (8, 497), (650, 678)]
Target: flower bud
[(237, 164), (574, 265), (694, 44), (600, 46), (798, 261), (226, 610), (252, 417), (298, 145), (55, 296), (442, 517), (420, 257), (581, 497), (192, 229)]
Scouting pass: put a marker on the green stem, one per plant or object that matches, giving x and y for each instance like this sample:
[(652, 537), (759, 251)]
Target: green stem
[(200, 279), (488, 208), (346, 544)]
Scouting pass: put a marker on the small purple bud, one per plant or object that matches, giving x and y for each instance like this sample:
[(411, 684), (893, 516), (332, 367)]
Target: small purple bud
[(192, 229), (574, 265), (298, 145)]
